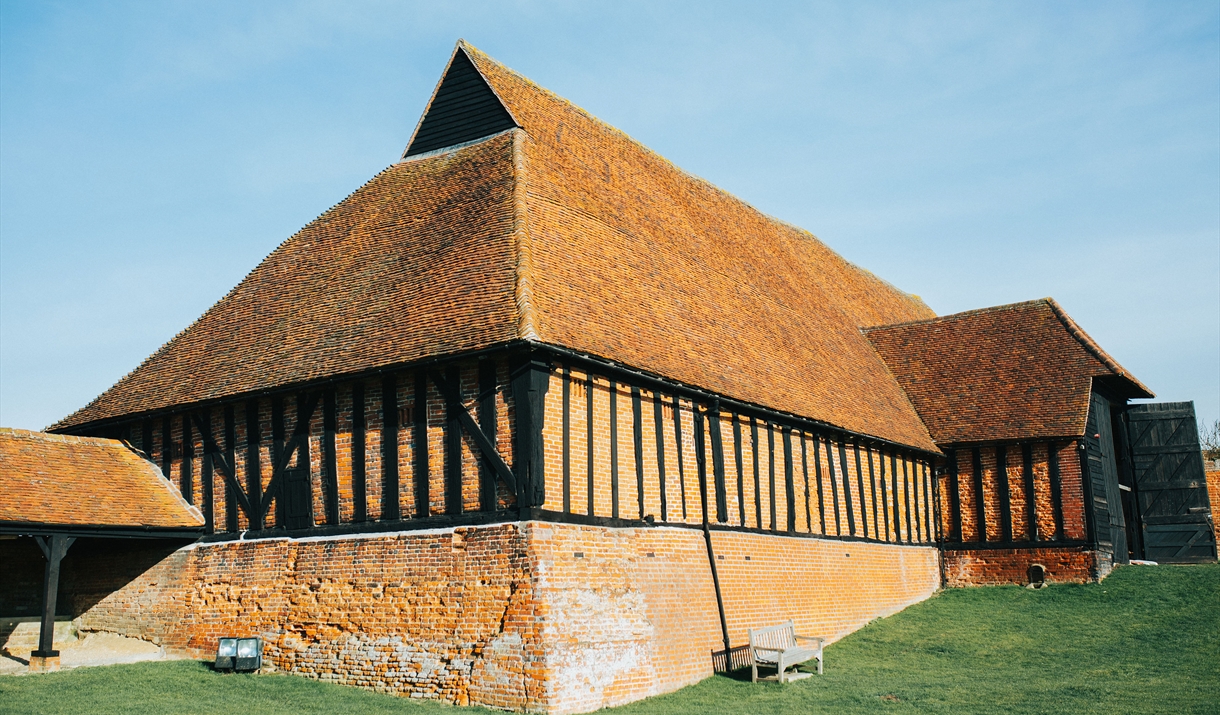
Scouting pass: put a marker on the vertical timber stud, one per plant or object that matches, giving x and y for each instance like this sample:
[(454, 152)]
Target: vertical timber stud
[(146, 439), (658, 428), (805, 479), (834, 484), (54, 548), (453, 443), (167, 448), (487, 423), (928, 503), (1052, 463), (758, 521), (915, 483), (637, 434), (741, 487), (206, 477), (360, 500), (613, 449), (389, 449), (701, 460), (980, 504), (771, 473), (906, 494), (1001, 478), (851, 511), (589, 439), (567, 439), (855, 446), (789, 478), (885, 498), (1031, 505), (872, 483), (530, 379), (330, 470), (231, 504), (722, 493), (419, 440), (678, 448), (955, 498), (187, 484), (817, 475), (254, 477)]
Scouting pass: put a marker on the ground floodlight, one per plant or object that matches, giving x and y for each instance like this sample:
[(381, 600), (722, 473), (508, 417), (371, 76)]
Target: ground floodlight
[(226, 650), (249, 654)]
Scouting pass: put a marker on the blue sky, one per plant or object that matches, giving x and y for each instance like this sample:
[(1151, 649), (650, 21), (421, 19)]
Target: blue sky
[(972, 153)]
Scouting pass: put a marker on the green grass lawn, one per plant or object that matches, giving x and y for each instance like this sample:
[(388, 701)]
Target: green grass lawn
[(1147, 640)]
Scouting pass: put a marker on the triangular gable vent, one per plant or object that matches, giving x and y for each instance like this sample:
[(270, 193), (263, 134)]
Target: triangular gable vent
[(464, 108)]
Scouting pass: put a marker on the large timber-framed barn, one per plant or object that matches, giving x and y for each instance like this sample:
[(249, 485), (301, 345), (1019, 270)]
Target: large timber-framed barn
[(527, 418)]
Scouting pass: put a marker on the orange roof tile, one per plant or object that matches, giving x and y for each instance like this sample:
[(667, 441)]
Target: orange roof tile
[(84, 481), (1020, 371), (566, 232)]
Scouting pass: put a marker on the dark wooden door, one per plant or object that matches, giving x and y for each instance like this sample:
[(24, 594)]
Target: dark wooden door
[(1110, 531), (298, 501), (1170, 486)]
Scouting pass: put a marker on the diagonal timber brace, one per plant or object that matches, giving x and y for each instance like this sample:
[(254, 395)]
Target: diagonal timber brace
[(306, 405), (218, 457), (454, 401)]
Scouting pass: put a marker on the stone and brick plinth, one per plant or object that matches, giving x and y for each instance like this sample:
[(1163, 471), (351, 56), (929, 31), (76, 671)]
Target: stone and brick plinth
[(44, 661), (531, 616)]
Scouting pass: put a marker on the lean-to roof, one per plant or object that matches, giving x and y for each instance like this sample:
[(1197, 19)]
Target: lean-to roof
[(1020, 371), (562, 231), (59, 480)]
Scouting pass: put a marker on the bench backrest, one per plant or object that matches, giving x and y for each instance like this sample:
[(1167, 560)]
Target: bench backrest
[(777, 637)]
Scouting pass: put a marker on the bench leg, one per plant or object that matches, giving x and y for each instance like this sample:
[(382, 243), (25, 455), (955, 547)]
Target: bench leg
[(819, 663), (753, 670)]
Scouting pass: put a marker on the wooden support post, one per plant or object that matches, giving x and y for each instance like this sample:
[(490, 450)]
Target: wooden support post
[(488, 500), (885, 498), (980, 503), (54, 547), (789, 479), (613, 449), (1001, 478), (232, 504), (530, 381), (741, 479), (955, 498), (360, 485), (1031, 498), (390, 510), (1052, 459), (254, 479), (567, 439), (637, 434), (330, 469), (722, 494), (453, 442), (423, 499), (658, 428)]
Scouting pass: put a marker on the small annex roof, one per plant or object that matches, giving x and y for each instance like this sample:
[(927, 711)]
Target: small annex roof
[(1020, 371), (516, 216), (62, 481)]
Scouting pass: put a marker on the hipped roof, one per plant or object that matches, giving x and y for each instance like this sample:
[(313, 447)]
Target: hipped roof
[(59, 480), (1012, 372), (559, 230)]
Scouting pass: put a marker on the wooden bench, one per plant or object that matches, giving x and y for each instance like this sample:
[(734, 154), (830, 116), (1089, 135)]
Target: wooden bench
[(781, 648)]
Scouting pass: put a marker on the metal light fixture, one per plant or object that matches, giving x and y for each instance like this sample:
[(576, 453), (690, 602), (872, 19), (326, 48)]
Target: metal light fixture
[(239, 654), (249, 654)]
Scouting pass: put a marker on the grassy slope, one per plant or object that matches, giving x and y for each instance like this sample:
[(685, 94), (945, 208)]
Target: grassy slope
[(1147, 640)]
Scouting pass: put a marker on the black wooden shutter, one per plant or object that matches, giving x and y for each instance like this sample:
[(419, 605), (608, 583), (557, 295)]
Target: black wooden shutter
[(1170, 485)]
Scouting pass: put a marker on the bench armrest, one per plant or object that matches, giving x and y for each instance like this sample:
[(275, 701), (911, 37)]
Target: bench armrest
[(818, 639)]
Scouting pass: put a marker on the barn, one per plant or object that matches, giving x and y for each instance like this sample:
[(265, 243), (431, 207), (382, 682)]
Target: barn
[(533, 419)]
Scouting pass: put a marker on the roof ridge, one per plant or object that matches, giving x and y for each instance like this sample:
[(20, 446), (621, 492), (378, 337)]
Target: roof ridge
[(39, 435), (957, 316)]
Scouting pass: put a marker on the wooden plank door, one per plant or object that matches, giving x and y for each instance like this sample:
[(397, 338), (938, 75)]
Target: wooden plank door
[(1171, 489), (1110, 531), (298, 498)]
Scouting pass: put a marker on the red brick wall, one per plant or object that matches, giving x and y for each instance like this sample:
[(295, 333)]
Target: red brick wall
[(1213, 493), (995, 567), (538, 616)]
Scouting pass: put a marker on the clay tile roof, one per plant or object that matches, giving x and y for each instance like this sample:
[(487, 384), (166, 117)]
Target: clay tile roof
[(1020, 371), (560, 230), (60, 480)]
